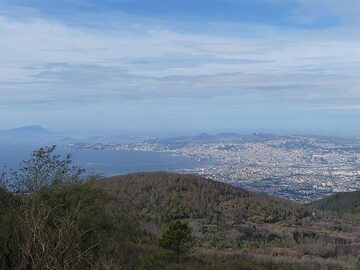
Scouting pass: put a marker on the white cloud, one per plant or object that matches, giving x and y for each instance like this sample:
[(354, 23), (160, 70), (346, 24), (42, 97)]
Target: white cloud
[(48, 61)]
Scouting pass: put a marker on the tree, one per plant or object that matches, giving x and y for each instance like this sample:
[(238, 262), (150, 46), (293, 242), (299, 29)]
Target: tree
[(177, 238), (58, 219), (45, 169), (175, 211)]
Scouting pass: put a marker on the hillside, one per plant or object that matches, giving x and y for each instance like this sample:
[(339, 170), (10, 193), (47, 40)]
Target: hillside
[(227, 218), (54, 216), (344, 202), (63, 219), (200, 198)]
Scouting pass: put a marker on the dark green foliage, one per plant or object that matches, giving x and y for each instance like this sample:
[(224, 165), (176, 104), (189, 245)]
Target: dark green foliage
[(8, 213), (175, 210), (177, 238), (345, 202)]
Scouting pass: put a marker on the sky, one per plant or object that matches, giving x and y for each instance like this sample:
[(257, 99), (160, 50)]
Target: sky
[(173, 67)]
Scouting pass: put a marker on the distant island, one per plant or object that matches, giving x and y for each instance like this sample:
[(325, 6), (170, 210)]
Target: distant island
[(31, 130)]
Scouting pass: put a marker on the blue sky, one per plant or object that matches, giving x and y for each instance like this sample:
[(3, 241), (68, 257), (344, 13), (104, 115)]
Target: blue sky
[(169, 67)]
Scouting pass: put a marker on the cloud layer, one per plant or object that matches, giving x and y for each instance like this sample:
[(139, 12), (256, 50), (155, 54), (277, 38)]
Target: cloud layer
[(309, 56)]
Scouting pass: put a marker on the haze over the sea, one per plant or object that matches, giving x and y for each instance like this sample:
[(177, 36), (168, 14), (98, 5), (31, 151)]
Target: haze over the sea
[(165, 67)]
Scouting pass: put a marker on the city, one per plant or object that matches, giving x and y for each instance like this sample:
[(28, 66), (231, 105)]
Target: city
[(300, 168)]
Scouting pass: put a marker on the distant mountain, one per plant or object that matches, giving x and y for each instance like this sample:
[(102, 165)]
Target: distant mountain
[(203, 137), (220, 137), (32, 130), (343, 202)]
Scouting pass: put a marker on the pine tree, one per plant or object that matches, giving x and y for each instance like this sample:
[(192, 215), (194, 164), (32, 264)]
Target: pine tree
[(177, 238)]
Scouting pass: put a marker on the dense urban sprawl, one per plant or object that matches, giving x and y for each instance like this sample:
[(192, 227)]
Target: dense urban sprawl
[(301, 168)]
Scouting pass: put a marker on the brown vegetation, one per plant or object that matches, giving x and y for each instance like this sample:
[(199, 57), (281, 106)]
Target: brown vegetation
[(160, 221)]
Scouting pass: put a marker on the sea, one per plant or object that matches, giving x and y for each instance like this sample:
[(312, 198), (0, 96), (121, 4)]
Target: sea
[(103, 162)]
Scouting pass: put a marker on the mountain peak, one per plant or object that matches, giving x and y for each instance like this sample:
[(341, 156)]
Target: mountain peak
[(30, 130)]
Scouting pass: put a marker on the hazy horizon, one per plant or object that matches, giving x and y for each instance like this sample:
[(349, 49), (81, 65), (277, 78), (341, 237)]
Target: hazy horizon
[(169, 133), (181, 67)]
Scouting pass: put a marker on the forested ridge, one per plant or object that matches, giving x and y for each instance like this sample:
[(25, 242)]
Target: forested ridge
[(343, 202), (157, 194), (55, 216)]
